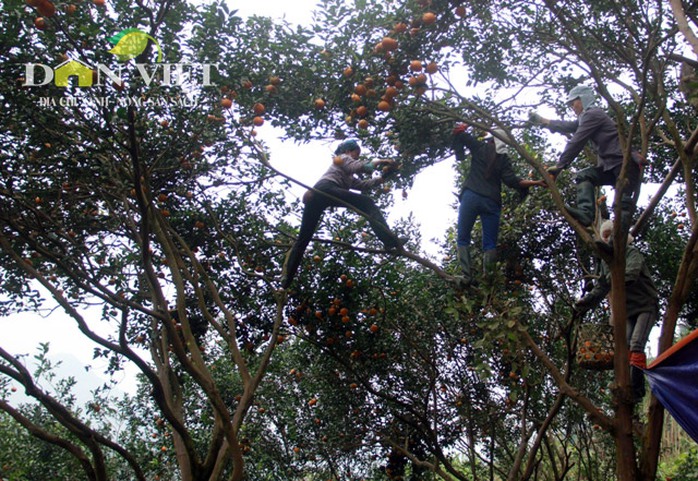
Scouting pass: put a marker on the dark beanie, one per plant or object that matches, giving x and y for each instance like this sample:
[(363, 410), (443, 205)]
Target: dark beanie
[(346, 146)]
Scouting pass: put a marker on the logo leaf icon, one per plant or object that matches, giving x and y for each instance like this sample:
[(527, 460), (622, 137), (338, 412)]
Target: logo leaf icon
[(130, 43)]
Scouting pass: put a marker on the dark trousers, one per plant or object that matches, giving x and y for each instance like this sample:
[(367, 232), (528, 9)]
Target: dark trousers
[(597, 177), (312, 214)]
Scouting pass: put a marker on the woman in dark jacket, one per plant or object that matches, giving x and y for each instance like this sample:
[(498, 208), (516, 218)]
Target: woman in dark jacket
[(481, 195), (335, 189)]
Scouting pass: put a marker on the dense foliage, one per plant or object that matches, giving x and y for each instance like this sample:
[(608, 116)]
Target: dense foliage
[(155, 201)]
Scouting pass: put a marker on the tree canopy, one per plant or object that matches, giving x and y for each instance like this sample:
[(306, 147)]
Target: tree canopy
[(146, 193)]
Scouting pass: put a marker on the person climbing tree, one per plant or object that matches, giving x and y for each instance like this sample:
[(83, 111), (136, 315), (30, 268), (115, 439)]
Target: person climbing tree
[(335, 189), (595, 126), (481, 194), (641, 299)]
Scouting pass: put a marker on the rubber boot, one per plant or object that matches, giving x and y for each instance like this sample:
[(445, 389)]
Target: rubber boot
[(489, 260), (465, 265), (584, 211), (638, 361)]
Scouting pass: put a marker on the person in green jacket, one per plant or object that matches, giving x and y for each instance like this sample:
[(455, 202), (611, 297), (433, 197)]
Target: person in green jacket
[(641, 305)]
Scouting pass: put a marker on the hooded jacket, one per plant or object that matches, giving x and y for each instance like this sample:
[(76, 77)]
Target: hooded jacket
[(640, 292)]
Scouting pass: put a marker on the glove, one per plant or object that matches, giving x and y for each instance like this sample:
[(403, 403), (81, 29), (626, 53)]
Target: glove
[(459, 128), (554, 171), (535, 119)]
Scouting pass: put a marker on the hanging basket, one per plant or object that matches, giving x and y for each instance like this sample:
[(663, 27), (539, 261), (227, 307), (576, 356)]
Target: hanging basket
[(595, 347)]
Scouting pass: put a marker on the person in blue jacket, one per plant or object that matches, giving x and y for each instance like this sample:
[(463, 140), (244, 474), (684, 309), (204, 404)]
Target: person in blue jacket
[(481, 194), (336, 188)]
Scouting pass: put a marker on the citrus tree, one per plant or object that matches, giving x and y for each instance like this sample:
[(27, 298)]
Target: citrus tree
[(146, 193)]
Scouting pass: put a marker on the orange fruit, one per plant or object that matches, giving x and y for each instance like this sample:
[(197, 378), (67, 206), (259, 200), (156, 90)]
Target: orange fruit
[(429, 18), (416, 65), (384, 106), (258, 121), (432, 68), (389, 44), (363, 124), (400, 27), (258, 108), (319, 103), (348, 72), (226, 103), (460, 11), (360, 89), (40, 23), (274, 80), (373, 328), (99, 3), (362, 111), (46, 8)]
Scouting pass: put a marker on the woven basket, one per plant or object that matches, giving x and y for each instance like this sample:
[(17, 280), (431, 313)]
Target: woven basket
[(595, 346)]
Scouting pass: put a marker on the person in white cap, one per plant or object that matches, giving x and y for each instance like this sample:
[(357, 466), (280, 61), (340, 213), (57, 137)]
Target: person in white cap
[(593, 126), (641, 304), (481, 195)]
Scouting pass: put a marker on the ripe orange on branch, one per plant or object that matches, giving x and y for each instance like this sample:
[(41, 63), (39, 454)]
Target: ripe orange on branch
[(46, 8), (416, 65), (429, 18)]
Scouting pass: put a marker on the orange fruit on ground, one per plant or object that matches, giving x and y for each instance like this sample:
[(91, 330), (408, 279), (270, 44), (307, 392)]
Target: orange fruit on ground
[(429, 18), (416, 65), (226, 103), (258, 121), (258, 108)]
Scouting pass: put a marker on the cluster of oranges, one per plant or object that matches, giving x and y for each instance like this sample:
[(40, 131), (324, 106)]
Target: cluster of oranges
[(46, 9), (367, 92)]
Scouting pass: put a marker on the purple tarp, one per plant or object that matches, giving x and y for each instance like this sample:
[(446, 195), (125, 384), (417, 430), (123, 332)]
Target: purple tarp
[(673, 378)]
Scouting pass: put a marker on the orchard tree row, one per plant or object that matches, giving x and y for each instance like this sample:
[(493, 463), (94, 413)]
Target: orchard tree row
[(155, 201)]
